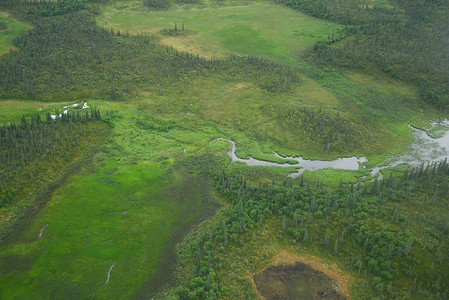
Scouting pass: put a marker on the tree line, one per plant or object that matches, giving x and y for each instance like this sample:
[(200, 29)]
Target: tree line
[(28, 148), (165, 4), (70, 56), (352, 12), (407, 40)]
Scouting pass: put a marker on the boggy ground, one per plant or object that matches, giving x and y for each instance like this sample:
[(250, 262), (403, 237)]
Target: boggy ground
[(293, 277)]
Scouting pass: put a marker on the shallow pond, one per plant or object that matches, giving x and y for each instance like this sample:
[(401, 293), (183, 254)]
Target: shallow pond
[(295, 281), (424, 149)]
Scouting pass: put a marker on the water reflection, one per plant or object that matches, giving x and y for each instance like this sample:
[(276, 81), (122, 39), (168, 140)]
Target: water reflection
[(347, 163), (424, 148)]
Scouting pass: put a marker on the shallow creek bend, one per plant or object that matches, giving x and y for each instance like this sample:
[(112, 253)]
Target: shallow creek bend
[(347, 163)]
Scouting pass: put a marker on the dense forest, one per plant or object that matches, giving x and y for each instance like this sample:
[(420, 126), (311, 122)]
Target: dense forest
[(36, 152), (406, 39), (393, 232), (327, 130)]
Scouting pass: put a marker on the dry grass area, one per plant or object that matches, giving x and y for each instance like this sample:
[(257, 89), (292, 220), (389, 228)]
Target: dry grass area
[(383, 81)]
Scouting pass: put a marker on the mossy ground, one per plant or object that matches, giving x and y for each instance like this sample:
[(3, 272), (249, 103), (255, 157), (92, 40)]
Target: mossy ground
[(131, 214)]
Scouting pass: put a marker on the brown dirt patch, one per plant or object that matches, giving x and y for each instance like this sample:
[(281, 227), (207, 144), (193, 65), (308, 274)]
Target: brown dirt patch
[(287, 264), (191, 45), (12, 48)]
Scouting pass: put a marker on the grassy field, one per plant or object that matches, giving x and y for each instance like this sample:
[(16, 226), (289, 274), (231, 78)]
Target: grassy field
[(13, 110), (7, 36), (112, 212), (127, 206), (264, 29)]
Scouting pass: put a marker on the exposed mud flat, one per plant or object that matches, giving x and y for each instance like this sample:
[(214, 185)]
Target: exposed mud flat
[(292, 277)]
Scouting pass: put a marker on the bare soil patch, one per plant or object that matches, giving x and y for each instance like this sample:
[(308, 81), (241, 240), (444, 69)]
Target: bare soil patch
[(290, 276)]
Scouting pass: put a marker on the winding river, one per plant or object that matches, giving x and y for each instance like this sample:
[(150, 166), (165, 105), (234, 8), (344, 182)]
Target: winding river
[(424, 149), (347, 163)]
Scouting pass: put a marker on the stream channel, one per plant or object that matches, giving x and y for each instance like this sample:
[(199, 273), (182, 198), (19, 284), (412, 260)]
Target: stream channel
[(346, 163), (424, 149)]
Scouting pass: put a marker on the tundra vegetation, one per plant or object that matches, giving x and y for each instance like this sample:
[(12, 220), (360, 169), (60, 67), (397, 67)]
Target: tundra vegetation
[(124, 196)]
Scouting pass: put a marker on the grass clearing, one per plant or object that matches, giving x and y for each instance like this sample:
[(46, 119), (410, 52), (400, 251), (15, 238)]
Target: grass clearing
[(14, 29), (265, 29), (13, 110)]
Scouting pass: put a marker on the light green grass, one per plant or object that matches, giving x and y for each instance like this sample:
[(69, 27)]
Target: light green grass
[(13, 110), (122, 213), (87, 231), (14, 29), (265, 29)]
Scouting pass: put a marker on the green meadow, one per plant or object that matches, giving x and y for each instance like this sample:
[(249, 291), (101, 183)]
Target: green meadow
[(13, 29), (13, 110), (264, 29)]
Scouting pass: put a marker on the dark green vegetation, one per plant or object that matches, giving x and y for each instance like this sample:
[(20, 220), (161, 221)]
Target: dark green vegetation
[(69, 56), (165, 4), (326, 129), (22, 144), (346, 12), (35, 153), (175, 31), (3, 25), (51, 8), (406, 39), (157, 4), (112, 205), (393, 233)]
